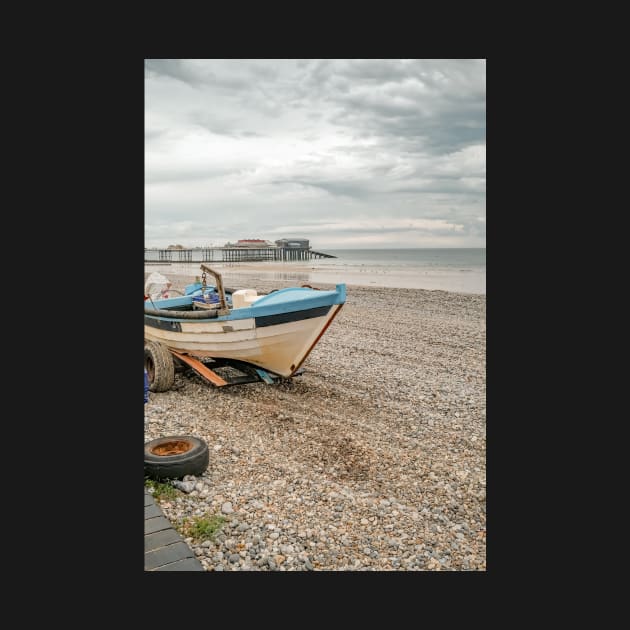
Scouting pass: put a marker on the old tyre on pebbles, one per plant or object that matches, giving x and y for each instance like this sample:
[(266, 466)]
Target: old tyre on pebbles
[(158, 362), (174, 456)]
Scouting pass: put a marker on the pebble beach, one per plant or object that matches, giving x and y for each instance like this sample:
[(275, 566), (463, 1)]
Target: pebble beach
[(374, 459)]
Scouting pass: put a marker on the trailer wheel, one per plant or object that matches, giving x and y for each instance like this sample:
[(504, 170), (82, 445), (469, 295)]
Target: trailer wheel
[(174, 456), (158, 362)]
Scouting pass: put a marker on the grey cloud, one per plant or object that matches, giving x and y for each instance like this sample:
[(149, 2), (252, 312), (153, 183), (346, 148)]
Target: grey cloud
[(153, 134), (336, 188), (196, 74), (220, 124), (450, 185), (264, 72), (173, 68), (439, 105), (438, 132), (164, 175), (375, 135)]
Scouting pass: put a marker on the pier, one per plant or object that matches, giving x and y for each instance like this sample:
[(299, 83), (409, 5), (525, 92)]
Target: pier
[(233, 254)]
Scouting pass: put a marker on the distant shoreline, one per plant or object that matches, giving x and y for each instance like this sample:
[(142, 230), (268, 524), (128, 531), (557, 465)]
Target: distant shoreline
[(245, 274), (441, 279)]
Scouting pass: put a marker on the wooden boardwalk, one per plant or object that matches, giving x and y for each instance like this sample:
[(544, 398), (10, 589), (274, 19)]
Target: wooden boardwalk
[(164, 548)]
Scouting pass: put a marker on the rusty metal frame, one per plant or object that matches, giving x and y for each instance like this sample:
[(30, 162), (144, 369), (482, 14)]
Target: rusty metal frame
[(251, 373), (223, 307)]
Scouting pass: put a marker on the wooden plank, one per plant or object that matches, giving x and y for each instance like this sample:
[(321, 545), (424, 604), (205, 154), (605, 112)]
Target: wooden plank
[(166, 555), (156, 524), (201, 369), (151, 511), (188, 564), (161, 539)]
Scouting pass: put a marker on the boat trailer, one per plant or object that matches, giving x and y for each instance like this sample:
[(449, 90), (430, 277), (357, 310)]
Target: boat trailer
[(222, 372)]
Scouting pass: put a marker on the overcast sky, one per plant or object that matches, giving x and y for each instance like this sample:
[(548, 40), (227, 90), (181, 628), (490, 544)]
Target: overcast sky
[(349, 153)]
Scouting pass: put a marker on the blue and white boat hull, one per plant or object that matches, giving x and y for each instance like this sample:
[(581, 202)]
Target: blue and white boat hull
[(276, 332)]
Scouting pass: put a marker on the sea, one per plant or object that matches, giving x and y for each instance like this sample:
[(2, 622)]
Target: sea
[(453, 269)]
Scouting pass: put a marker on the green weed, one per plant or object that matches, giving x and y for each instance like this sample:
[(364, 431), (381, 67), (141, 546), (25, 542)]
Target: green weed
[(202, 528), (162, 491)]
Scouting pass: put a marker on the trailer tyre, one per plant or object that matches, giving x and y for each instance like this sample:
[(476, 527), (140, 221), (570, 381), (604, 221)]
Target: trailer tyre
[(174, 456), (158, 362)]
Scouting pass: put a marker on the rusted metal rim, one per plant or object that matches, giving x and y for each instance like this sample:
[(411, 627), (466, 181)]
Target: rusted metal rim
[(174, 447)]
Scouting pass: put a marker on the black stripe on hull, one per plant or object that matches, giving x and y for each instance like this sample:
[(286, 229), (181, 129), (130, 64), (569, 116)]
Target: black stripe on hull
[(162, 324), (283, 318), (265, 320)]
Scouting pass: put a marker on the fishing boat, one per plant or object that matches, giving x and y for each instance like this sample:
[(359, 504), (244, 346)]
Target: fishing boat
[(273, 332)]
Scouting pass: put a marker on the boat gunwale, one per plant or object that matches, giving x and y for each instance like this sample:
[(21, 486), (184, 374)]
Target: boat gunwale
[(336, 296)]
